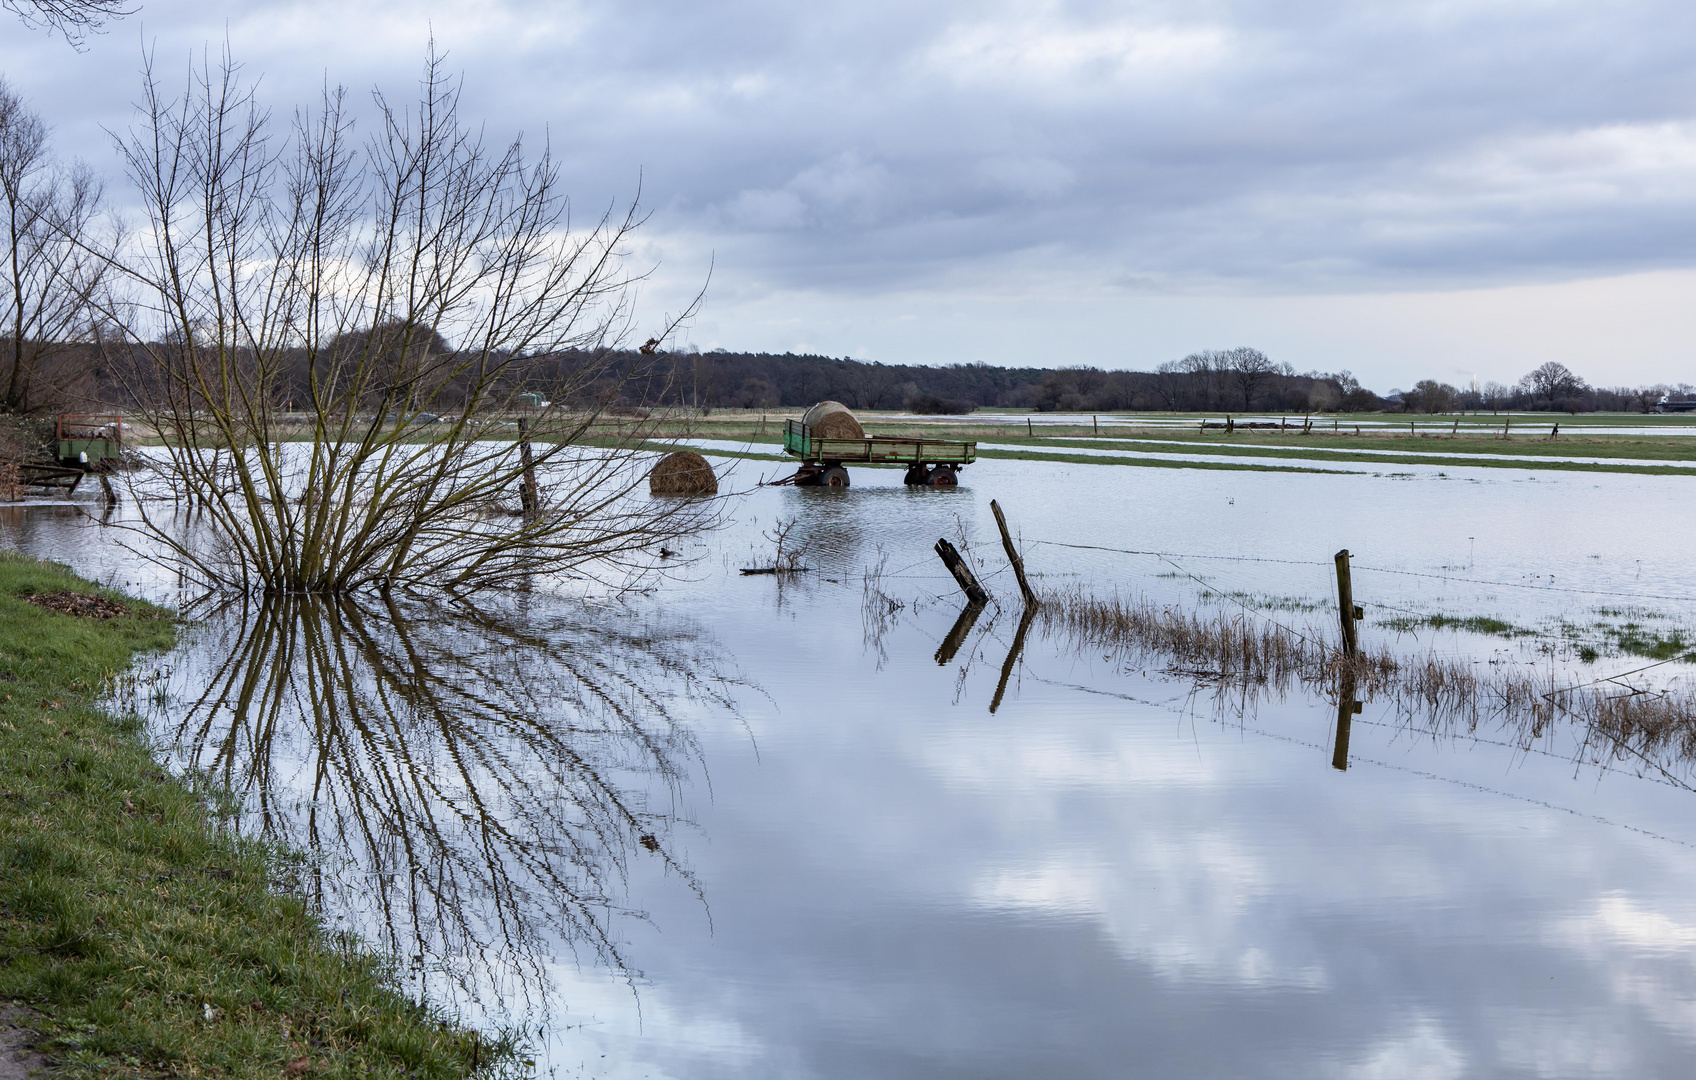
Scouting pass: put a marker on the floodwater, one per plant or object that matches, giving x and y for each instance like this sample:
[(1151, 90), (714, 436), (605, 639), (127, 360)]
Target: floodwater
[(770, 827)]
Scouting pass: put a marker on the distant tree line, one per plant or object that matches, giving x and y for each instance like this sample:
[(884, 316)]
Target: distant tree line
[(1552, 387), (1232, 380), (1235, 380)]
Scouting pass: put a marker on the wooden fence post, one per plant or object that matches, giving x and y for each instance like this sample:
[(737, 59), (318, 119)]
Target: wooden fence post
[(1346, 610), (1347, 706), (1095, 423), (527, 487), (1012, 660), (957, 633), (976, 593), (1013, 554)]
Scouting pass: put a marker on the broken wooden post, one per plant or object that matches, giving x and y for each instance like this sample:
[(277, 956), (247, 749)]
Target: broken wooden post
[(1346, 610), (1012, 660), (1556, 431), (1456, 429), (957, 634), (527, 486), (962, 573), (1229, 427), (1013, 554)]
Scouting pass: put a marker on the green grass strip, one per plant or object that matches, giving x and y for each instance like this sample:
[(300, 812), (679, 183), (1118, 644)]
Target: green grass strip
[(139, 938), (1384, 463), (1155, 463)]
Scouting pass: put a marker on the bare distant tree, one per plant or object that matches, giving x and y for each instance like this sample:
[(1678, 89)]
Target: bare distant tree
[(1250, 369), (1431, 396), (50, 271), (1167, 384), (1495, 394), (1552, 382), (75, 19), (361, 263)]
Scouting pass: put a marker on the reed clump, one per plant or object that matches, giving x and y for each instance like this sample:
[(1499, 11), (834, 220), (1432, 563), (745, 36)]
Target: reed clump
[(1239, 648), (1223, 645)]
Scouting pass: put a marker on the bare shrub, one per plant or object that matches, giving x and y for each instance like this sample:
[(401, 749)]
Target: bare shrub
[(419, 286), (50, 270)]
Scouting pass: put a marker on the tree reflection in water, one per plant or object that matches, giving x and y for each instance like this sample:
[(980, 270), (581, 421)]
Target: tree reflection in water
[(470, 782)]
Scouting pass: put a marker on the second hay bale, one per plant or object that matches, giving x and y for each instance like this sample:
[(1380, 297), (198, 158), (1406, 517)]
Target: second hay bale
[(832, 420), (682, 473)]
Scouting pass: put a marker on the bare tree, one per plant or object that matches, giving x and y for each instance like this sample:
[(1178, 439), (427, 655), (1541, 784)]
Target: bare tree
[(1250, 369), (1551, 382), (50, 271), (75, 19), (351, 261)]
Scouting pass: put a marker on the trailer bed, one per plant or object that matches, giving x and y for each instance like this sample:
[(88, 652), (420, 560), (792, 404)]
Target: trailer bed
[(875, 449)]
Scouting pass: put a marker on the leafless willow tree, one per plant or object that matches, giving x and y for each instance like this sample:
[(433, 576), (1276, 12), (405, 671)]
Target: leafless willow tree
[(74, 19), (492, 771), (50, 271), (412, 287)]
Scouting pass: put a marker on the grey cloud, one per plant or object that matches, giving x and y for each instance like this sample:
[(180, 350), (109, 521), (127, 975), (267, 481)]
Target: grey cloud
[(869, 147)]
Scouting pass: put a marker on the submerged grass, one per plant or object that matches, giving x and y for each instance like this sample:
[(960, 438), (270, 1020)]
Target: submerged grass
[(142, 939), (1622, 718)]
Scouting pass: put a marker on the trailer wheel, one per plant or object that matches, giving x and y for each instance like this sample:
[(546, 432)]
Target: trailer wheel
[(944, 476), (834, 476), (916, 474)]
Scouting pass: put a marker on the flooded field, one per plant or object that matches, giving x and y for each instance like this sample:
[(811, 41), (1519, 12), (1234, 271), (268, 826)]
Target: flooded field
[(812, 826)]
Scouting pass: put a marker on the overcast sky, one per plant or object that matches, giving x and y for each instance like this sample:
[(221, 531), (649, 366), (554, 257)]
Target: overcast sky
[(1407, 190)]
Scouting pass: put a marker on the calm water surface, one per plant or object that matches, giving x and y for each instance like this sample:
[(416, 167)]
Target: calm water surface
[(744, 827)]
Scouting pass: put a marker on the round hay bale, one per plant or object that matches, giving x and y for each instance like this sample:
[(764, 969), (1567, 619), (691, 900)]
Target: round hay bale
[(832, 420), (682, 473)]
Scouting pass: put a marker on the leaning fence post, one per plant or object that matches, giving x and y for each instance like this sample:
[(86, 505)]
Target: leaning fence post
[(1346, 610), (976, 593), (1013, 554)]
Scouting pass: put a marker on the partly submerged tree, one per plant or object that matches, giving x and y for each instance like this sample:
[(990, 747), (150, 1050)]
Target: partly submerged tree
[(417, 285), (50, 272)]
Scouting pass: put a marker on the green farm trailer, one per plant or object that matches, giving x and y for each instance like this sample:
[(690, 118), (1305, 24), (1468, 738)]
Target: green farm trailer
[(87, 439), (824, 461)]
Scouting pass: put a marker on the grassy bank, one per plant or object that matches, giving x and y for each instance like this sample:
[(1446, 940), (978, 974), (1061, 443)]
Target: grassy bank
[(139, 939)]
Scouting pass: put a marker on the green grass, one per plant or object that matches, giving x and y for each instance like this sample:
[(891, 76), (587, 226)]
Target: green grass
[(1477, 624), (1633, 640), (143, 939)]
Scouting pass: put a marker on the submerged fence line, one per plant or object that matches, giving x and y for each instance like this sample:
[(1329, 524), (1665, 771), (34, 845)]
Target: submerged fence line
[(1369, 569), (1256, 649)]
